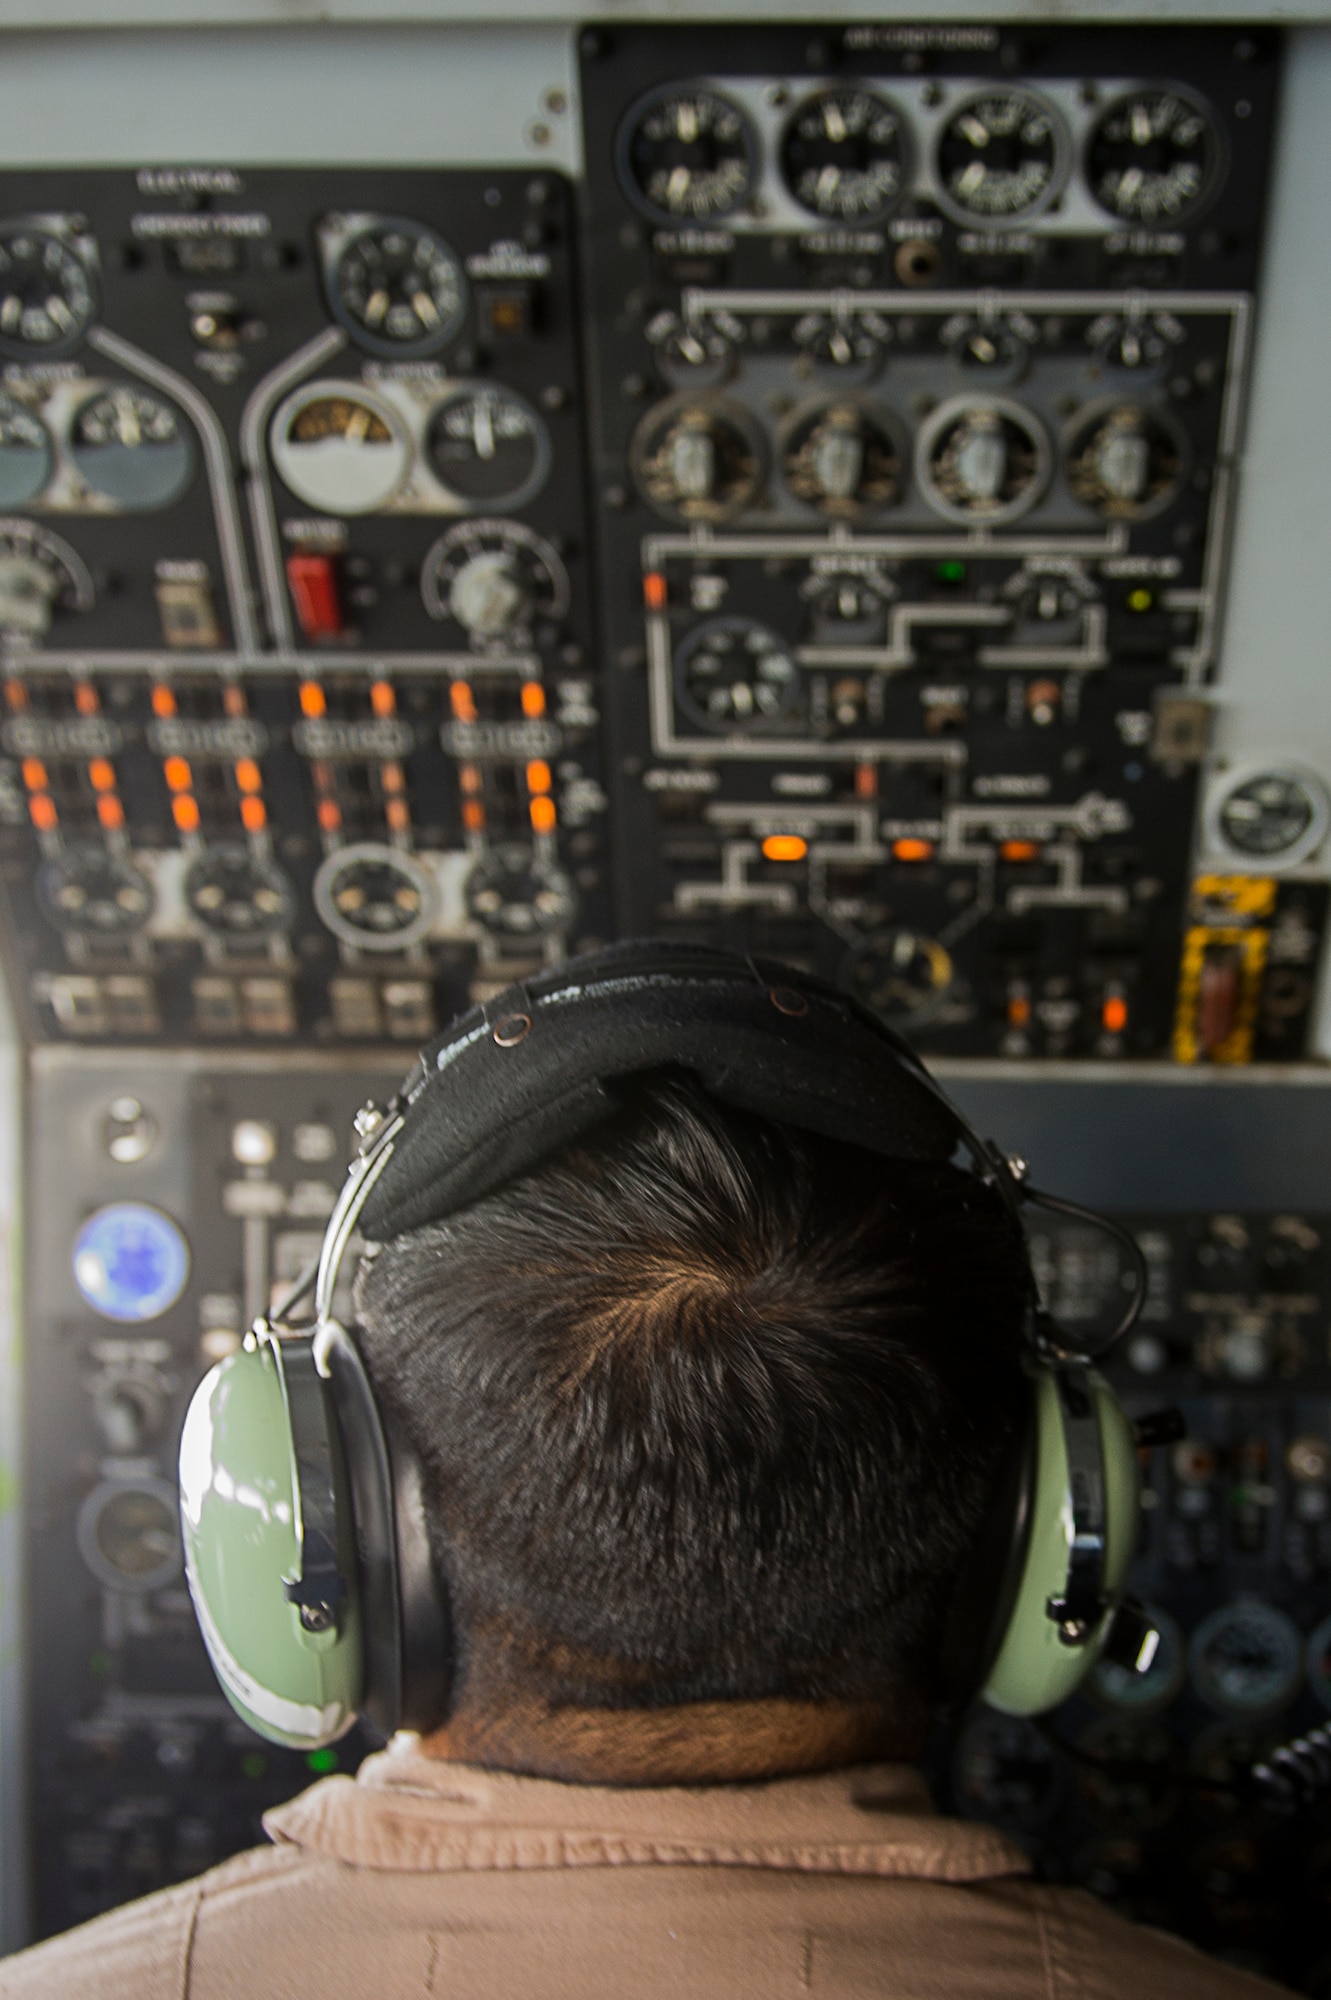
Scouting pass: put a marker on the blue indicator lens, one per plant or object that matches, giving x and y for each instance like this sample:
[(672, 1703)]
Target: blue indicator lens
[(130, 1261)]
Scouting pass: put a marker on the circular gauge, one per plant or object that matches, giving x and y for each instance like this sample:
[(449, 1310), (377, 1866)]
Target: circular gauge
[(339, 448), (133, 448), (1004, 1770), (982, 461), (1125, 462), (1318, 1663), (698, 458), (904, 976), (1001, 157), (375, 897), (236, 896), (843, 458), (489, 448), (515, 894), (687, 155), (39, 575), (46, 293), (87, 890), (128, 1533), (734, 676), (1152, 157), (1276, 817), (693, 353), (1247, 1659), (1142, 1694), (845, 348), (1083, 1275), (27, 456), (130, 1262), (398, 288), (844, 156), (1130, 1774), (494, 578)]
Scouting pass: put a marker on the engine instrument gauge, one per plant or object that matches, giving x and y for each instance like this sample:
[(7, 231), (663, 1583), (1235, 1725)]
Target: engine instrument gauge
[(39, 576), (1152, 157), (982, 460), (237, 896), (515, 894), (1001, 157), (1124, 1689), (697, 458), (375, 897), (1005, 1770), (1276, 817), (27, 456), (1125, 462), (130, 1261), (1247, 1658), (128, 1533), (398, 288), (687, 155), (91, 892), (735, 676), (494, 579), (489, 448), (844, 156), (132, 448), (340, 448), (47, 299), (843, 457), (904, 976)]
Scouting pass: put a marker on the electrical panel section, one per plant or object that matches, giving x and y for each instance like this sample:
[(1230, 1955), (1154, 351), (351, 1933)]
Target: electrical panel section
[(295, 615), (920, 357)]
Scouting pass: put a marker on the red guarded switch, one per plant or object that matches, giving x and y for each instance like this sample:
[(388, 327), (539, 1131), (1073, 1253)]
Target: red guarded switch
[(313, 581)]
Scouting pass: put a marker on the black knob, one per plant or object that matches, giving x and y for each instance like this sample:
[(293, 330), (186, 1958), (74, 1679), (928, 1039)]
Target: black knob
[(1160, 1427)]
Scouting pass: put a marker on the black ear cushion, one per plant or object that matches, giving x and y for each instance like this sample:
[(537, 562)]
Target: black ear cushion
[(369, 1472), (537, 1067), (426, 1624), (986, 1590)]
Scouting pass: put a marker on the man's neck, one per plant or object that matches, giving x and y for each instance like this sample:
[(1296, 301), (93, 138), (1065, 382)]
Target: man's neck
[(701, 1743)]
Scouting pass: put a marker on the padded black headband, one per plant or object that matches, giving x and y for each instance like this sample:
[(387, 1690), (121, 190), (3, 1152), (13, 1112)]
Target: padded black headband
[(536, 1067)]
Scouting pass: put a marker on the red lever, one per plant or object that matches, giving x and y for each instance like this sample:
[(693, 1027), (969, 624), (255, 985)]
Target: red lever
[(313, 581)]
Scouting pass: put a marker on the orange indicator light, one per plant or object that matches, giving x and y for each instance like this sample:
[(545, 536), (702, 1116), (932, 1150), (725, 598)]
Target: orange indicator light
[(330, 815), (473, 815), (533, 699), (110, 812), (462, 701), (253, 815), (469, 777), (249, 778), (784, 847), (866, 781), (313, 700), (543, 815), (1020, 850), (34, 774), (85, 698), (1018, 1010), (1114, 1014), (185, 812), (654, 592), (391, 778), (176, 772), (398, 815), (16, 695), (538, 775), (912, 849), (42, 812), (233, 698), (382, 699), (164, 702), (102, 774)]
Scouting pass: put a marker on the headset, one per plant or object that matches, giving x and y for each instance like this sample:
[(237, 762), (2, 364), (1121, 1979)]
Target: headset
[(302, 1508)]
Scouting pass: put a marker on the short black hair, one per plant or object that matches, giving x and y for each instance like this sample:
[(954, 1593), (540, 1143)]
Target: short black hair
[(709, 1407)]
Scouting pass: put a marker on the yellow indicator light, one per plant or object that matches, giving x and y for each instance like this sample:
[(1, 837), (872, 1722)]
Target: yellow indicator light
[(784, 847), (1139, 599)]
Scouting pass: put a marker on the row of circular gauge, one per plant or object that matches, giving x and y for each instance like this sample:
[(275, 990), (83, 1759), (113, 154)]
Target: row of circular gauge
[(689, 153), (978, 460), (110, 444)]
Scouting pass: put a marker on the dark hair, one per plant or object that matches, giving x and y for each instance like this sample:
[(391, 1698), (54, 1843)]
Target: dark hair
[(709, 1407)]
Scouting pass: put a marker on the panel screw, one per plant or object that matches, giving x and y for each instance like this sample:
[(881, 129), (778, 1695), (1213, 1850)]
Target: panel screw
[(514, 1028), (787, 1000)]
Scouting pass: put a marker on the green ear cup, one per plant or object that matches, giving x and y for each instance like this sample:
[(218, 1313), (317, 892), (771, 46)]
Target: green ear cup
[(1035, 1669), (240, 1516)]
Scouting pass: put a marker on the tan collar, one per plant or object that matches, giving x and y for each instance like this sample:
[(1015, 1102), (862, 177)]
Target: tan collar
[(413, 1813)]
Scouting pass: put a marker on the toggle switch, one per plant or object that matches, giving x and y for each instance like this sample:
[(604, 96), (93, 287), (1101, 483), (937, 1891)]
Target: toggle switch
[(314, 589)]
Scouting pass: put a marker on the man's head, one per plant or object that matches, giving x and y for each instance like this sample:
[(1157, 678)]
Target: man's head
[(709, 1410)]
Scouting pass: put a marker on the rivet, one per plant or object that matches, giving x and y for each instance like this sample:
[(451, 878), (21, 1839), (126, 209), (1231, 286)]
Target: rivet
[(514, 1028), (788, 1000)]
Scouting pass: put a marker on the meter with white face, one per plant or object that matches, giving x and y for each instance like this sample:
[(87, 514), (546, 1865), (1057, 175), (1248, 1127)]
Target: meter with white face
[(340, 448)]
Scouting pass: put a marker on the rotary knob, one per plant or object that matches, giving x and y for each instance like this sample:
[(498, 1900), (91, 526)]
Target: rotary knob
[(487, 595)]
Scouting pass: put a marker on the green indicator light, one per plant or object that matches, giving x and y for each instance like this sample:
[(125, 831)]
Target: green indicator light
[(99, 1664), (253, 1765), (322, 1761), (950, 572)]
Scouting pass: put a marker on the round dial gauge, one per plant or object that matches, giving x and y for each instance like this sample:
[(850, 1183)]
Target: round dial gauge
[(843, 458), (46, 293), (515, 894), (1006, 1771), (339, 448), (39, 575), (687, 155), (494, 579), (1247, 1659), (375, 897), (1125, 462), (87, 890), (698, 458), (489, 448), (237, 896), (1152, 157), (398, 288), (844, 156), (982, 460), (133, 448), (1000, 157), (1141, 1694), (902, 975), (1271, 816), (128, 1533), (735, 676), (130, 1261), (27, 456)]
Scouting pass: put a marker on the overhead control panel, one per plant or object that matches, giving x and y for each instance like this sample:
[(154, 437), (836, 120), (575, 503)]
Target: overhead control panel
[(299, 719), (920, 355)]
